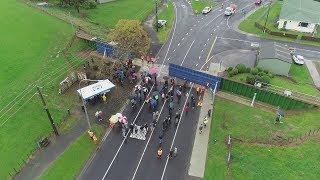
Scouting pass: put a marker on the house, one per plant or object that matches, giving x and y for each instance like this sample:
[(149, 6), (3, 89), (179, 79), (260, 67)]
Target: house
[(275, 58), (300, 15)]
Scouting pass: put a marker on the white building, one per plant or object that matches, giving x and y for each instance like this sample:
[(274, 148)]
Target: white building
[(300, 15)]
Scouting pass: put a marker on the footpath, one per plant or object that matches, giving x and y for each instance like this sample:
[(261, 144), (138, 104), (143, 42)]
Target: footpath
[(313, 72)]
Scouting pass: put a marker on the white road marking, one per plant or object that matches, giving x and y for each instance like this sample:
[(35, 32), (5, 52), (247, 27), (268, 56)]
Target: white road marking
[(182, 39), (199, 57), (212, 20), (208, 39), (193, 25), (191, 29), (235, 39), (174, 50), (198, 21), (197, 65), (168, 59), (187, 53), (187, 34), (228, 22), (214, 29), (202, 50), (205, 44), (217, 26), (210, 34), (178, 44), (115, 156)]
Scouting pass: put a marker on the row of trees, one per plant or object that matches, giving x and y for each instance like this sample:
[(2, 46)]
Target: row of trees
[(87, 4)]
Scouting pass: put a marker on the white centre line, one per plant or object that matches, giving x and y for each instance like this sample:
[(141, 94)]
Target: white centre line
[(178, 44), (187, 34), (199, 57), (202, 50), (174, 50), (208, 39), (182, 39), (168, 59), (197, 65), (187, 53), (205, 44)]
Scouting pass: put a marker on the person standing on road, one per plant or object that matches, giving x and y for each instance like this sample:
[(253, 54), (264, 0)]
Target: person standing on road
[(159, 153), (187, 108)]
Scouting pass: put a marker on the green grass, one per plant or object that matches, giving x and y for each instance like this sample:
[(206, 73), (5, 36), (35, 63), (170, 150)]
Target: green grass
[(198, 6), (70, 162), (248, 25), (300, 74), (31, 47), (166, 14), (67, 125), (247, 122), (110, 13)]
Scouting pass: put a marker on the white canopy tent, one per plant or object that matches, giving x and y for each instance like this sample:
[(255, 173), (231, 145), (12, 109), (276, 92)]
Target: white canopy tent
[(100, 87)]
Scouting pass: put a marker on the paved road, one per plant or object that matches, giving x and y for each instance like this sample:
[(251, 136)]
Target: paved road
[(194, 41)]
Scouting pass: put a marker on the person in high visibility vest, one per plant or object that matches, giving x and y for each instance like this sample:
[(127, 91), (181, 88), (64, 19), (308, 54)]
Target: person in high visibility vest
[(104, 98), (95, 139), (159, 153), (200, 103), (90, 134)]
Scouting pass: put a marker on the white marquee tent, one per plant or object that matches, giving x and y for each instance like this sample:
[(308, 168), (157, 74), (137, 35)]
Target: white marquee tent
[(100, 87)]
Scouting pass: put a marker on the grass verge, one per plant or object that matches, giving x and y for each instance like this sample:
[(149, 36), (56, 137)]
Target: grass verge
[(199, 5), (302, 81), (248, 25), (70, 162), (166, 14), (250, 123)]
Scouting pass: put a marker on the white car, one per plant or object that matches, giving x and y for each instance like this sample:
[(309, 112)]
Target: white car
[(206, 10), (229, 11), (161, 23), (298, 59)]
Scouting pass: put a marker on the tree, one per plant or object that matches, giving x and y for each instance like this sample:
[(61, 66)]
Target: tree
[(130, 37)]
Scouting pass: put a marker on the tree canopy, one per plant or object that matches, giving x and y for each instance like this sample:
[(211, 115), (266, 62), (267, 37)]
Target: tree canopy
[(130, 37)]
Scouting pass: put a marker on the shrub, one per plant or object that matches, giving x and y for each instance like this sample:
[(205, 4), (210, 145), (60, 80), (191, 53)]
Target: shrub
[(241, 68), (229, 69), (248, 69), (89, 5), (266, 71), (262, 73), (265, 79), (254, 71), (95, 67), (233, 72), (250, 79), (260, 69), (271, 74)]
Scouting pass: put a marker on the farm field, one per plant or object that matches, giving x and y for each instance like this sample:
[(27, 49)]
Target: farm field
[(252, 158), (31, 53)]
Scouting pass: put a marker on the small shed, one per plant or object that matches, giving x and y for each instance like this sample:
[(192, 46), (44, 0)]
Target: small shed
[(275, 58)]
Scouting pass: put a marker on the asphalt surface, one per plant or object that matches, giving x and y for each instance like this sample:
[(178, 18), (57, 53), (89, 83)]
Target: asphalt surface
[(195, 40)]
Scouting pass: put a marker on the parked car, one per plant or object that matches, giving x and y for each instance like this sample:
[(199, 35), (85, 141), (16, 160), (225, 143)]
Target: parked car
[(298, 59), (206, 10), (230, 10), (161, 23), (258, 2)]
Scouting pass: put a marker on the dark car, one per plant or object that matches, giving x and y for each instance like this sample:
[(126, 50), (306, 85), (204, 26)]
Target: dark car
[(258, 2)]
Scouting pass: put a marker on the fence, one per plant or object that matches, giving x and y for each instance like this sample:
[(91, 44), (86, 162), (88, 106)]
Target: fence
[(265, 96), (194, 76)]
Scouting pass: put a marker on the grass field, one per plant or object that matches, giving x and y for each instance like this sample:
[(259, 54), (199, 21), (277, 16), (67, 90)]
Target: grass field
[(72, 160), (31, 46), (248, 160), (300, 74), (166, 14), (248, 25), (199, 5)]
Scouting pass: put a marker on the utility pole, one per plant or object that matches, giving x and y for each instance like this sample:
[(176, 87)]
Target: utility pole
[(156, 15), (48, 113), (265, 22)]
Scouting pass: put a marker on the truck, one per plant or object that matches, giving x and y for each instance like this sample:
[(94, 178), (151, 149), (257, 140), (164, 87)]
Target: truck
[(230, 10)]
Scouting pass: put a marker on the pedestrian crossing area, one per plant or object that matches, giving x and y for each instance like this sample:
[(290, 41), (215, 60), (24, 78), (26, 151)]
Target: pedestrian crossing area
[(138, 133)]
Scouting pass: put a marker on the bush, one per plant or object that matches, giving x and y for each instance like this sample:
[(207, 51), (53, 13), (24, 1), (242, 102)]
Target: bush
[(265, 79), (229, 69), (241, 68), (262, 73), (89, 5), (248, 69), (271, 74), (233, 72), (260, 69), (266, 71), (254, 71), (250, 79)]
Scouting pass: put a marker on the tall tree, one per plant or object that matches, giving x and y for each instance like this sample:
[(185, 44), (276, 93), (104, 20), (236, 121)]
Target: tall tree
[(130, 37)]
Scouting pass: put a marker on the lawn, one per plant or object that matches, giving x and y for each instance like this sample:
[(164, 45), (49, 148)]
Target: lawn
[(300, 74), (31, 50), (248, 25), (199, 5), (250, 123), (167, 13), (69, 164), (110, 13)]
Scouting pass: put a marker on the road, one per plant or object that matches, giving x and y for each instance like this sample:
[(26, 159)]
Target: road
[(195, 40)]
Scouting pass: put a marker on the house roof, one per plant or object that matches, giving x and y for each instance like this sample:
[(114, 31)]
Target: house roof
[(272, 50), (301, 10)]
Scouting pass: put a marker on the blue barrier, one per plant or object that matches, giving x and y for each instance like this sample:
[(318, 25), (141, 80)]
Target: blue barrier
[(194, 76), (110, 51)]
